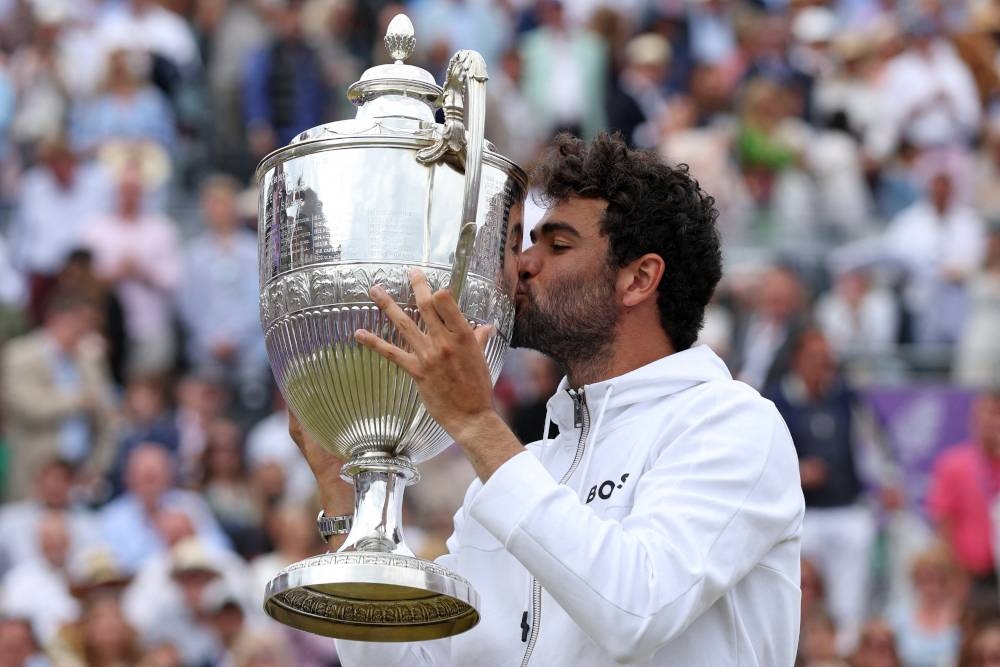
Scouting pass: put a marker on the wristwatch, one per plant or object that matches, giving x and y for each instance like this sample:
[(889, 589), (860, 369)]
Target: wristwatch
[(333, 525)]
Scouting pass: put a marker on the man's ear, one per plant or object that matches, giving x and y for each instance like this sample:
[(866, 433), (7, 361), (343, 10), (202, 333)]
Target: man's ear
[(639, 279)]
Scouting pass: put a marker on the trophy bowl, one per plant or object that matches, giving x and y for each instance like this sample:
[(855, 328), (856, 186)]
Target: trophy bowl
[(346, 206)]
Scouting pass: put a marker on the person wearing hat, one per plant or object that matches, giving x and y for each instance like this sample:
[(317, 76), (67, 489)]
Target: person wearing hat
[(178, 614), (639, 98)]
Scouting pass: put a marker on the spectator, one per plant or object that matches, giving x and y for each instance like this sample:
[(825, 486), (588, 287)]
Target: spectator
[(177, 614), (52, 492), (930, 96), (225, 615), (164, 32), (128, 107), (284, 92), (268, 443), (77, 275), (639, 98), (859, 316), (927, 631), (877, 647), (100, 638), (229, 33), (227, 488), (200, 400), (56, 395), (58, 199), (839, 529), (939, 242), (983, 647), (139, 255), (127, 523), (963, 485), (764, 338), (41, 74), (978, 355), (818, 646), (147, 421), (565, 74), (39, 588), (154, 593), (217, 278), (292, 531)]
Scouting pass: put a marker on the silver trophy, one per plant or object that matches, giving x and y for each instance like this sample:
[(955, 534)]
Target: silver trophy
[(346, 206)]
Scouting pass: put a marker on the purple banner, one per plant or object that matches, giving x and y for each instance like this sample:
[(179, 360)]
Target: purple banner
[(918, 423)]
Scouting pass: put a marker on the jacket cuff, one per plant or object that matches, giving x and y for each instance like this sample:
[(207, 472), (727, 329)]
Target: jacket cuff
[(512, 491)]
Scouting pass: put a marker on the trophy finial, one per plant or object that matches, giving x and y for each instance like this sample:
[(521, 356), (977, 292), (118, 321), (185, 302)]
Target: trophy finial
[(399, 39)]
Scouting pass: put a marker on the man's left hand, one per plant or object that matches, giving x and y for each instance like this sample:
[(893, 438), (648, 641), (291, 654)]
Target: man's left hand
[(448, 365)]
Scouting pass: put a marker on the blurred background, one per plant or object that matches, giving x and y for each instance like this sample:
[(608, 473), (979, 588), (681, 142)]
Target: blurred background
[(150, 487)]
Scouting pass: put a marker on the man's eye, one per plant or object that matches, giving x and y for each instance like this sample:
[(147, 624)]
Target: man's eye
[(556, 247)]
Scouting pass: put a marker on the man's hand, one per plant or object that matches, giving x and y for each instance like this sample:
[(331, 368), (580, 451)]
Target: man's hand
[(813, 472), (449, 368), (336, 495)]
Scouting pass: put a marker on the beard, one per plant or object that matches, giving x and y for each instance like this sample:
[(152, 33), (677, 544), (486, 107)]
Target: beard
[(574, 322)]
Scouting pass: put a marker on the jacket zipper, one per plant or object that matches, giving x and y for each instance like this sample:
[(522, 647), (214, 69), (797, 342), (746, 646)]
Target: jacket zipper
[(581, 420)]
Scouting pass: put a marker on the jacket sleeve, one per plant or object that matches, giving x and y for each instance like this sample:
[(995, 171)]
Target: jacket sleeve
[(27, 394), (712, 504)]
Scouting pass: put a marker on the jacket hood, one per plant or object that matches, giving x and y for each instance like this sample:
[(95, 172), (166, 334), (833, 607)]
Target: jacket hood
[(663, 377)]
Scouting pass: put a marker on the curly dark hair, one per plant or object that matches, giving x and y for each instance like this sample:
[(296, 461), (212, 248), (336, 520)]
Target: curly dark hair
[(652, 208)]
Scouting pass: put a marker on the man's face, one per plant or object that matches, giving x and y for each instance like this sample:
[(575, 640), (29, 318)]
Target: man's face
[(53, 486), (566, 306)]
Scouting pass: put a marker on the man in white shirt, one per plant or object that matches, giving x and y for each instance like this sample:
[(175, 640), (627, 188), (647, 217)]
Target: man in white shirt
[(661, 527)]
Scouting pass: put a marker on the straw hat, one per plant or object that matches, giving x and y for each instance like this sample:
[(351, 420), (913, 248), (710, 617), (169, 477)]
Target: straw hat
[(97, 569), (190, 555)]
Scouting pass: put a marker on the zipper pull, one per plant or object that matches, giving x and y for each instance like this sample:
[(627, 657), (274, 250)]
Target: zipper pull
[(577, 396), (525, 628)]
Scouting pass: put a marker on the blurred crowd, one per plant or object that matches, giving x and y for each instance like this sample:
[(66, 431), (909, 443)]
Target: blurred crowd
[(151, 489)]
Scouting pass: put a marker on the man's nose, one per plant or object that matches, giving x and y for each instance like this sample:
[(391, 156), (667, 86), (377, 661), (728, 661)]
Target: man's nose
[(527, 264)]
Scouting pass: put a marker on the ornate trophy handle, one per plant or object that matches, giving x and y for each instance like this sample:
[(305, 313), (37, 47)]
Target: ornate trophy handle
[(463, 137)]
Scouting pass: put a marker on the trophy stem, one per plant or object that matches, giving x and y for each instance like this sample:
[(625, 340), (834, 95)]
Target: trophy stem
[(379, 483)]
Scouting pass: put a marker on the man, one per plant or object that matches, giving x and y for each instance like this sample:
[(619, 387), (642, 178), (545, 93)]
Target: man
[(128, 523), (138, 254), (283, 88), (39, 588), (662, 525), (56, 396), (839, 531), (219, 277), (51, 493), (57, 199)]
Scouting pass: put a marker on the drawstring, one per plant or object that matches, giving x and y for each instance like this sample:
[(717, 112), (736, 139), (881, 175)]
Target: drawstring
[(595, 433)]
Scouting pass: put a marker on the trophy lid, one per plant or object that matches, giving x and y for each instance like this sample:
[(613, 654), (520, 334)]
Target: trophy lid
[(396, 89)]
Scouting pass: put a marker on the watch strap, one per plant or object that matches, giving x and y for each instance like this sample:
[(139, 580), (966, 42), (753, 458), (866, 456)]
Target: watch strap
[(333, 525)]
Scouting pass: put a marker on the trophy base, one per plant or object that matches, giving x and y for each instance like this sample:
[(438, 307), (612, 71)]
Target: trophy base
[(372, 596)]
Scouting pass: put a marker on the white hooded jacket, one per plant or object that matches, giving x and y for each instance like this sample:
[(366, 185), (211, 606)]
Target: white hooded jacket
[(674, 539)]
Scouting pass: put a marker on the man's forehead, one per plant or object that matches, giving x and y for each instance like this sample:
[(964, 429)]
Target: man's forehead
[(583, 215)]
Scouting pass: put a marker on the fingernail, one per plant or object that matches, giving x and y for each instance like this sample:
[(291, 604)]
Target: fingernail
[(359, 335), (377, 290)]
